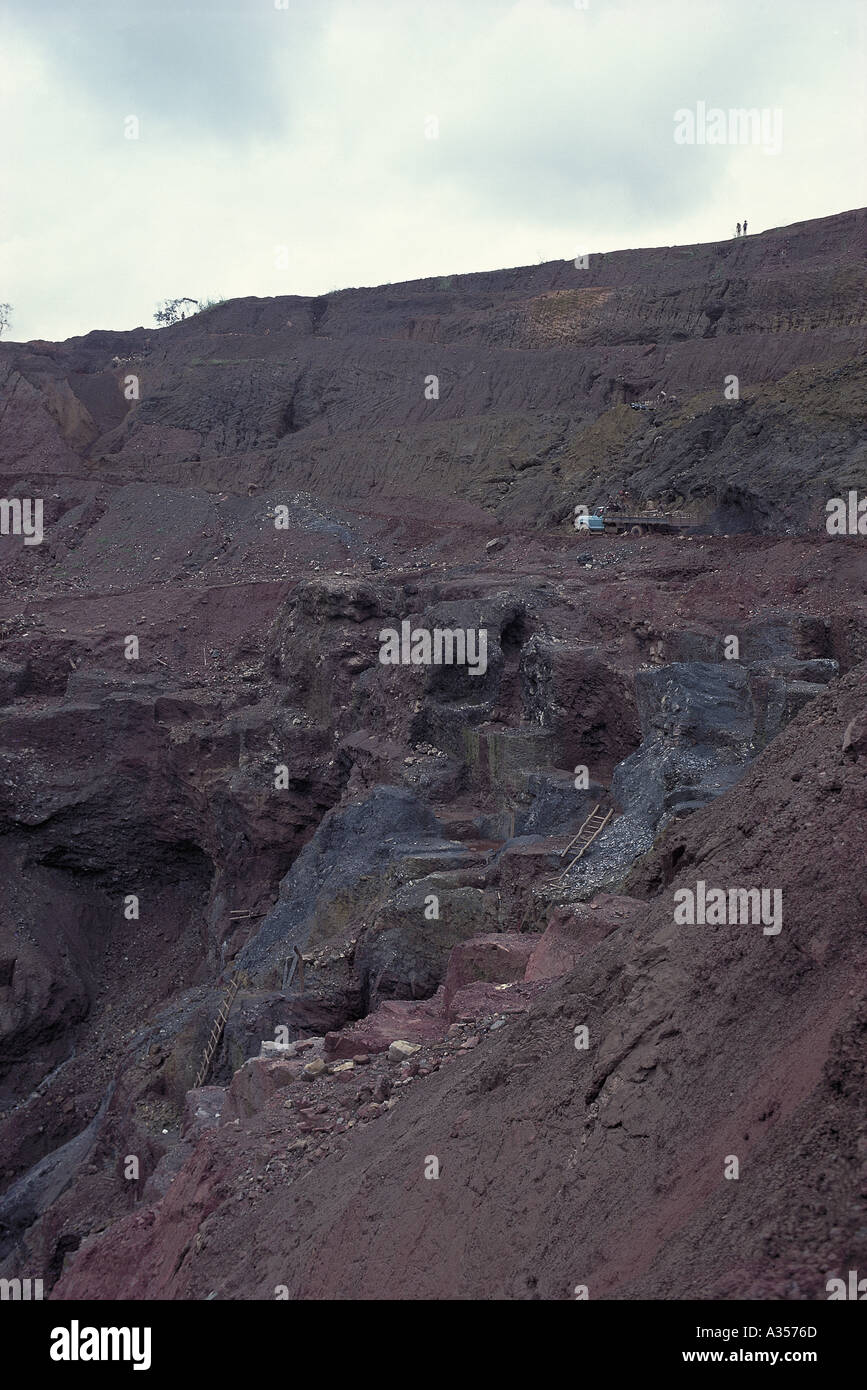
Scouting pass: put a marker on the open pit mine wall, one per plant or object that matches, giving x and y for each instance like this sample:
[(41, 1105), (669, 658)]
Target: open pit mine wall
[(509, 390)]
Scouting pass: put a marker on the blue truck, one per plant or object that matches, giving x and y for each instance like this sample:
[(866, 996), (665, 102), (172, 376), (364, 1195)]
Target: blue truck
[(618, 523)]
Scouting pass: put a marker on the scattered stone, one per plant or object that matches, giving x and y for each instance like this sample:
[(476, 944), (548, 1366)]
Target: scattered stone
[(399, 1050), (314, 1068)]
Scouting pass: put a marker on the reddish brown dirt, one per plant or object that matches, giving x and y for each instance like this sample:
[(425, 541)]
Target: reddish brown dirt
[(605, 1168), (259, 646)]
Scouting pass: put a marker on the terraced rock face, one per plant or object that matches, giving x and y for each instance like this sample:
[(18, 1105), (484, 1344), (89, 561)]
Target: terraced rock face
[(207, 770), (509, 389), (601, 1165)]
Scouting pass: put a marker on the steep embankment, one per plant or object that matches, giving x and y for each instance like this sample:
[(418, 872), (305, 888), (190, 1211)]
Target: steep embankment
[(604, 1167), (535, 371), (253, 789)]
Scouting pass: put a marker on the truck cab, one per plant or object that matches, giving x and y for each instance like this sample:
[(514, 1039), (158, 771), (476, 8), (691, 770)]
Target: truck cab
[(589, 523)]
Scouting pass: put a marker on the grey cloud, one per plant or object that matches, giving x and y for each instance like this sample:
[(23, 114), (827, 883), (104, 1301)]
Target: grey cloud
[(228, 69)]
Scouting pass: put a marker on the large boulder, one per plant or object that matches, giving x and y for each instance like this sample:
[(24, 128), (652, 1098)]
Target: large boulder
[(498, 958)]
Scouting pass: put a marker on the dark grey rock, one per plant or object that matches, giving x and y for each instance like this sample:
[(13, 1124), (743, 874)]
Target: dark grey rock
[(337, 873)]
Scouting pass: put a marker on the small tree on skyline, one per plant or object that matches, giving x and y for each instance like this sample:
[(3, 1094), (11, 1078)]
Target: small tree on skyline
[(173, 310)]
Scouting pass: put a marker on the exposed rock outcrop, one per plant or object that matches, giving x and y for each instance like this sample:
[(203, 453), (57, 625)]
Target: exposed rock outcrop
[(207, 773)]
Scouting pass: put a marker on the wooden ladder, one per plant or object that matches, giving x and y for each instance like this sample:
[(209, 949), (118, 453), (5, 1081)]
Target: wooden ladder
[(217, 1030), (593, 826)]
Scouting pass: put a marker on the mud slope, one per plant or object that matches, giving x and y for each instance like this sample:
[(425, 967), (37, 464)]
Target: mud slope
[(604, 1167)]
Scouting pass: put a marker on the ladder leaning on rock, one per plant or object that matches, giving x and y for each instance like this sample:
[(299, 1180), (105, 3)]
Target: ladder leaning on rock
[(593, 826), (217, 1030)]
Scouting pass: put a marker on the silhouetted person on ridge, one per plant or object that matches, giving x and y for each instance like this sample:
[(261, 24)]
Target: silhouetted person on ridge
[(739, 229), (745, 226)]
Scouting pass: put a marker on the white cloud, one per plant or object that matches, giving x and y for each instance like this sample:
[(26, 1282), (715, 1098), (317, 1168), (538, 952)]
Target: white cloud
[(306, 127)]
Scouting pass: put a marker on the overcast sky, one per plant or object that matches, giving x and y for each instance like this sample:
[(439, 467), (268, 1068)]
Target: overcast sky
[(309, 127)]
